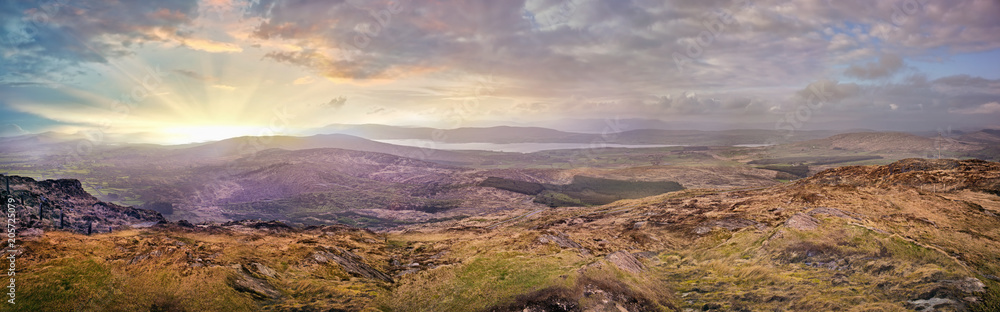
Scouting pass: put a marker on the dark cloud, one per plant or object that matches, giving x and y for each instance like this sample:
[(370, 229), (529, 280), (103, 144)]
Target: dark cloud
[(747, 60), (573, 46), (828, 91), (886, 66), (915, 94), (41, 38), (337, 102)]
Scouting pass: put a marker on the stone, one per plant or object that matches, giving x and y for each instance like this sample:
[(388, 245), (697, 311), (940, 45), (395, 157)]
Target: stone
[(263, 270), (255, 287), (971, 285), (626, 262), (802, 222)]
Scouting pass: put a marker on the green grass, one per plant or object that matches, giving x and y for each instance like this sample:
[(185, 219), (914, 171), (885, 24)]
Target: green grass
[(485, 281), (65, 285)]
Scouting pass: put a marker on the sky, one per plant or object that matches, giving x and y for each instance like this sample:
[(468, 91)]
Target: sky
[(179, 71)]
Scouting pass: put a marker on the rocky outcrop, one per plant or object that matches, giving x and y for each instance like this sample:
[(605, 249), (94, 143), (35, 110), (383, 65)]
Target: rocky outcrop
[(560, 239), (349, 262), (802, 222), (64, 204), (936, 174), (258, 288), (626, 262)]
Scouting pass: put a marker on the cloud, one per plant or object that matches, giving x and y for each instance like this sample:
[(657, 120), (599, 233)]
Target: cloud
[(210, 46), (304, 80), (886, 66), (8, 130), (581, 44), (337, 102), (985, 109), (44, 38), (751, 63), (827, 91), (195, 75)]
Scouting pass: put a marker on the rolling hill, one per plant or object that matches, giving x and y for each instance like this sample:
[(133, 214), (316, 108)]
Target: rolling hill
[(507, 134), (894, 142)]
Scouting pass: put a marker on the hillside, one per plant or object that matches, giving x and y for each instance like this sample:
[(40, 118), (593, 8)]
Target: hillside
[(244, 146), (884, 142), (624, 135), (321, 186), (912, 235), (982, 136), (500, 134)]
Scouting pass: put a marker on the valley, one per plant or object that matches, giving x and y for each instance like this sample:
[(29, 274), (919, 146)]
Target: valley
[(299, 224), (338, 178)]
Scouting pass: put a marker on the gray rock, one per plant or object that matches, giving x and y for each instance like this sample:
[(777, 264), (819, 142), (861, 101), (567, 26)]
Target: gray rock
[(350, 263), (971, 285), (560, 239), (626, 262), (405, 272), (255, 287), (834, 212), (262, 270), (802, 222), (31, 232), (928, 305)]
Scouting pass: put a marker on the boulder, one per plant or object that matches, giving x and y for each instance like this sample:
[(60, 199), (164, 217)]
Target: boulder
[(255, 287), (802, 222), (350, 263), (626, 262)]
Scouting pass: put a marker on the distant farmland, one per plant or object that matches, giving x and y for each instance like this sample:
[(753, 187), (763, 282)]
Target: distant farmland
[(583, 191)]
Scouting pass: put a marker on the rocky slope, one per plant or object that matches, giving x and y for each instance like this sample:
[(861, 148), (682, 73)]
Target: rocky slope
[(63, 204)]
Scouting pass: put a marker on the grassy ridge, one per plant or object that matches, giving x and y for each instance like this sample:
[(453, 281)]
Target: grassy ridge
[(813, 160)]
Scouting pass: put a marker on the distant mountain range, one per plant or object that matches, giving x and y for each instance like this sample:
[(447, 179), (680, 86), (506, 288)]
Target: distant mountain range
[(507, 134), (887, 141), (360, 136)]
